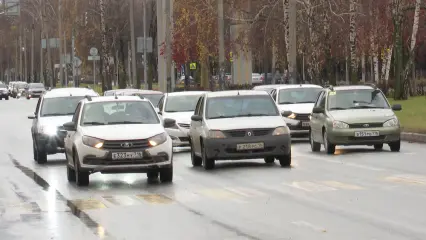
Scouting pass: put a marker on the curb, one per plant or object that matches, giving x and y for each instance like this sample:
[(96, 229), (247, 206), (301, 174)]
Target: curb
[(413, 137)]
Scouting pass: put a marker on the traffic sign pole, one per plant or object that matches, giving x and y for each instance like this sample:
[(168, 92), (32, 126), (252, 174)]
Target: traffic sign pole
[(94, 74)]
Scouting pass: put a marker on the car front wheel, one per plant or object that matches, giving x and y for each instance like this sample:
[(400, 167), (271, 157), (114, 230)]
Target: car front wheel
[(315, 147), (81, 177), (395, 146), (285, 160), (166, 175), (208, 163), (196, 160), (329, 147), (40, 155)]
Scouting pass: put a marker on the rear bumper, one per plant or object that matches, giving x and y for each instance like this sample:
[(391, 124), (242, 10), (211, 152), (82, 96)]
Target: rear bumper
[(347, 136), (226, 149)]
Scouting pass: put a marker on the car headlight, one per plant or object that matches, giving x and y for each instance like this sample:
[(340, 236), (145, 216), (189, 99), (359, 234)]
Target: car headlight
[(93, 142), (158, 139), (292, 116), (216, 134), (339, 124), (280, 131), (48, 130), (391, 123)]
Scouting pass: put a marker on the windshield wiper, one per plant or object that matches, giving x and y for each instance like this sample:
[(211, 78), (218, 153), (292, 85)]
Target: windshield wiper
[(56, 114), (125, 122), (93, 123), (253, 115), (365, 107), (338, 108), (306, 102), (217, 117), (286, 103)]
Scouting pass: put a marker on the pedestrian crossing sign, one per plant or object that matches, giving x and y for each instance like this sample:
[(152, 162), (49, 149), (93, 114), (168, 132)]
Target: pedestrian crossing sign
[(192, 66)]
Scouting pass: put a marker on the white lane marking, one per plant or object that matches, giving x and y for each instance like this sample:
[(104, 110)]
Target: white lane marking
[(246, 192), (311, 186), (309, 225), (185, 196), (410, 179), (336, 184), (343, 163)]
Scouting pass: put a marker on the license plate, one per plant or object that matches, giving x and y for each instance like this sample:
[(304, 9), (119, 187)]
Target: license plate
[(367, 134), (250, 146), (127, 155), (306, 124)]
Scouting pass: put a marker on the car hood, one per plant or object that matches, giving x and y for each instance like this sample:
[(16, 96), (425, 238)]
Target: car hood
[(123, 132), (55, 121), (246, 122), (36, 89), (352, 116), (180, 117), (297, 108)]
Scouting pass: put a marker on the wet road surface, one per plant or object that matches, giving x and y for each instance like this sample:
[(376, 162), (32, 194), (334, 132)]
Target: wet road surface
[(356, 194)]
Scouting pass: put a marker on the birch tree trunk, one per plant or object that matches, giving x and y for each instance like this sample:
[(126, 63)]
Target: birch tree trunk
[(388, 64), (363, 66), (105, 57), (286, 7), (352, 39)]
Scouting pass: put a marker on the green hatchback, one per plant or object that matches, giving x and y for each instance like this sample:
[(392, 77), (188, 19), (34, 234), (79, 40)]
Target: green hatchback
[(354, 115)]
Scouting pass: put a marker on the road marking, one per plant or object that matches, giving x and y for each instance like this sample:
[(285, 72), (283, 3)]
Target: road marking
[(310, 226), (155, 198), (341, 185), (87, 204), (121, 200), (311, 186), (246, 192), (185, 196), (408, 179), (220, 194)]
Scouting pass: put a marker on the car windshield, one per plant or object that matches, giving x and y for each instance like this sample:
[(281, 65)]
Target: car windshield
[(298, 95), (21, 85), (3, 86), (181, 103), (358, 98), (119, 112), (59, 106), (240, 106), (154, 98), (36, 85)]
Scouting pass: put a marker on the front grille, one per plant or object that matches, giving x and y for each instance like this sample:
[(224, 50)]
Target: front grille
[(132, 144), (366, 125), (302, 117), (184, 125), (243, 133), (184, 139)]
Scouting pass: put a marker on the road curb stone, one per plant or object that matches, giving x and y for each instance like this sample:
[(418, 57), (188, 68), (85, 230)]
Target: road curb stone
[(413, 137)]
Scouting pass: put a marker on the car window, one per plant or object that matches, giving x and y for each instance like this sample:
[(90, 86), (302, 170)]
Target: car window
[(201, 113), (319, 99), (298, 95), (153, 98), (181, 103), (36, 85), (161, 103), (118, 112), (76, 113), (240, 106), (322, 101), (356, 98), (197, 107), (59, 106), (38, 106)]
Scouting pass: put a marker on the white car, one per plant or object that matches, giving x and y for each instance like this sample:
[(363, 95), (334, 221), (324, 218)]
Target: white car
[(53, 109), (118, 134), (299, 100), (268, 87), (242, 124), (179, 106)]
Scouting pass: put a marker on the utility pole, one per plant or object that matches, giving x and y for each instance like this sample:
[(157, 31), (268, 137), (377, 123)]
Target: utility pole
[(221, 31), (132, 40), (20, 54), (61, 58), (24, 50), (168, 46), (145, 59), (32, 53), (292, 63), (65, 61)]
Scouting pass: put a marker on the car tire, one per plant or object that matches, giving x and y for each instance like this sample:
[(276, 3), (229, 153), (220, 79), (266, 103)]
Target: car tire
[(7, 98), (34, 151), (208, 163), (395, 146), (329, 147), (40, 155), (196, 161), (378, 147), (285, 160), (152, 175), (166, 175), (81, 177), (269, 160), (1, 98), (70, 174), (315, 146)]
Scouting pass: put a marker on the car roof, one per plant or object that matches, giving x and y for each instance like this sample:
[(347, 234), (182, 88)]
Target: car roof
[(114, 99), (267, 86), (352, 87), (66, 92), (291, 86), (186, 93), (133, 91), (231, 93)]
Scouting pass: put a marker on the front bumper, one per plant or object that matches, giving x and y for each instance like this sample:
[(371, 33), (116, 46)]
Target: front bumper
[(52, 144), (347, 136), (297, 127), (100, 160), (179, 136), (226, 149), (4, 94)]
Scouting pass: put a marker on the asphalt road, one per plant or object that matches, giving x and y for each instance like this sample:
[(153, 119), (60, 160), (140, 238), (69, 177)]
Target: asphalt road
[(356, 194)]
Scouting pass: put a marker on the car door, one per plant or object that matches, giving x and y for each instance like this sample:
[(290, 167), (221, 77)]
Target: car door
[(316, 124), (196, 126), (34, 126), (69, 139)]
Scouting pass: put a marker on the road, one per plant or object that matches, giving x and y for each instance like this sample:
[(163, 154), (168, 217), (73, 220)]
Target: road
[(356, 194)]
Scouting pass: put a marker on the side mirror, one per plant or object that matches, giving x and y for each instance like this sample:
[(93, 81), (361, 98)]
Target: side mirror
[(196, 118), (397, 107), (32, 116), (169, 123), (286, 113), (317, 110), (69, 126)]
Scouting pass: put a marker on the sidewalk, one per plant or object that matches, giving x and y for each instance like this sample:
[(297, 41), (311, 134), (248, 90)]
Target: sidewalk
[(27, 211)]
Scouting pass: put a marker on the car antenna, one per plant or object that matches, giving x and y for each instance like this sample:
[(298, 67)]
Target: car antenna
[(88, 97)]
